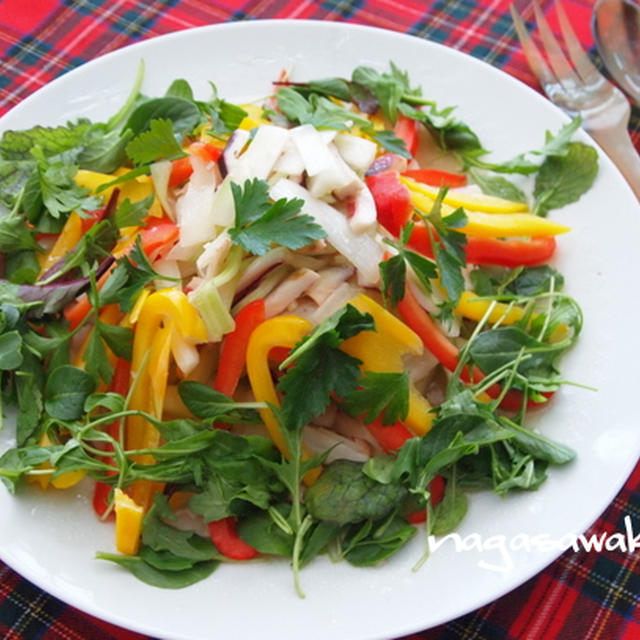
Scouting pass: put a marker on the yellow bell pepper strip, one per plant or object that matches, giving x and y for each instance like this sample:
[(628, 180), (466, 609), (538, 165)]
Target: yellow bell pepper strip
[(129, 517), (69, 237), (166, 323), (63, 481), (496, 225), (278, 332), (474, 202), (382, 350), (281, 331), (135, 189), (469, 306)]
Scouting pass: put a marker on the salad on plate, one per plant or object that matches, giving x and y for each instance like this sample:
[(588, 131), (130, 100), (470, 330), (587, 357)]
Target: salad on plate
[(310, 324)]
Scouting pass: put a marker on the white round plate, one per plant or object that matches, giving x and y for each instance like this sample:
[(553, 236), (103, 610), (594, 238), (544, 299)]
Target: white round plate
[(51, 537)]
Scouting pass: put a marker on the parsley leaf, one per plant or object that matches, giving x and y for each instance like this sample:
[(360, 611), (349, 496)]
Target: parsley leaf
[(158, 142), (259, 224), (53, 190), (449, 248), (321, 368), (563, 179), (380, 394), (131, 275), (393, 272), (131, 214)]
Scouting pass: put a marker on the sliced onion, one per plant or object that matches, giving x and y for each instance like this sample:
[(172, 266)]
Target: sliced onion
[(357, 152), (288, 291), (261, 155), (329, 280), (362, 250), (160, 174), (319, 439)]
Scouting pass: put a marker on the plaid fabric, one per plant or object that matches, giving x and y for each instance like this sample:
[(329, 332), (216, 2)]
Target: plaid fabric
[(582, 595)]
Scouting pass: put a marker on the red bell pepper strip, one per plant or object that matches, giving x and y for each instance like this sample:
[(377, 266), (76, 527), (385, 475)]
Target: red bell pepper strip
[(158, 237), (436, 178), (233, 352), (503, 253), (392, 199), (510, 253), (182, 168), (119, 384), (407, 130), (224, 536), (390, 437)]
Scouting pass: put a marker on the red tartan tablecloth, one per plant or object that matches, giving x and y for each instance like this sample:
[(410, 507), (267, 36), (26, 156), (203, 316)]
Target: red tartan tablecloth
[(581, 595)]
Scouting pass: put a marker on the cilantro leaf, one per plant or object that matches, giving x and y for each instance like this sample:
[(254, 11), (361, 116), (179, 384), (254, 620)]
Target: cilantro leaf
[(259, 224), (563, 179), (158, 142), (380, 394)]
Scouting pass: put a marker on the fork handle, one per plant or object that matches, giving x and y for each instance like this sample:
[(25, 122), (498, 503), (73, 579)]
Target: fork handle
[(617, 144)]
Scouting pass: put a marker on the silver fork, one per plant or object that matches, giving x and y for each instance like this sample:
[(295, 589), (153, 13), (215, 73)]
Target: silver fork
[(581, 90)]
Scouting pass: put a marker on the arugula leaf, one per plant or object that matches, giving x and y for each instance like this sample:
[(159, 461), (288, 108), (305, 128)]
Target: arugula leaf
[(259, 224), (65, 392), (532, 281), (380, 394), (15, 235), (183, 114), (208, 404), (497, 186), (264, 534), (562, 179), (496, 348), (164, 579), (180, 88), (368, 544), (160, 536), (156, 143), (104, 151)]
